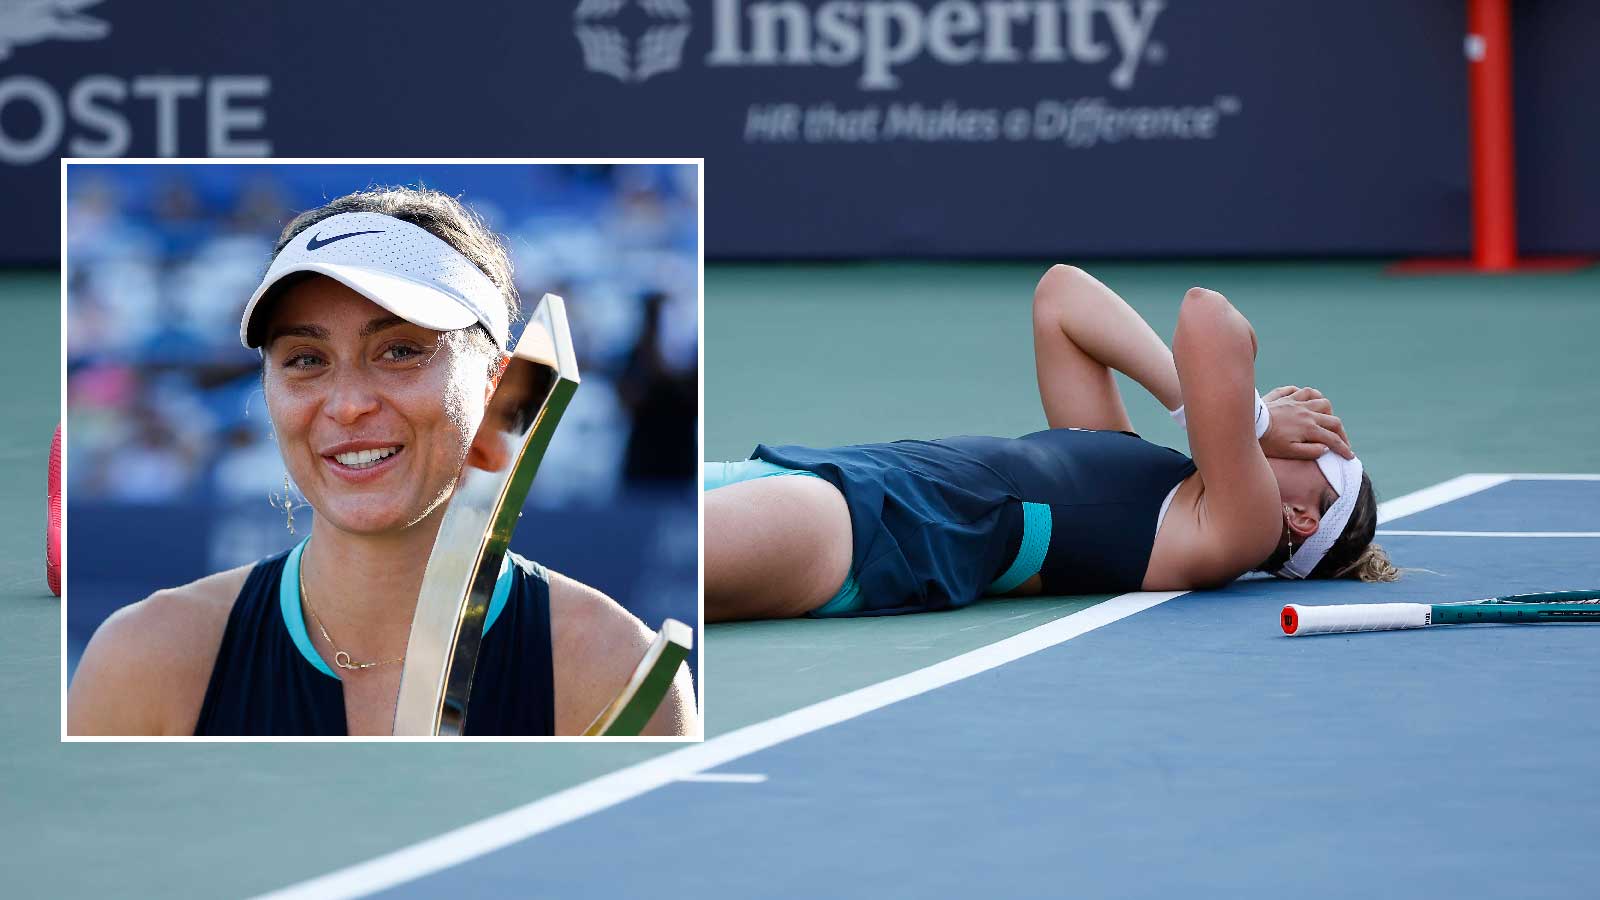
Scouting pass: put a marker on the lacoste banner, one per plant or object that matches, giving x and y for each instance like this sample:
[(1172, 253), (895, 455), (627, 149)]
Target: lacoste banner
[(848, 128)]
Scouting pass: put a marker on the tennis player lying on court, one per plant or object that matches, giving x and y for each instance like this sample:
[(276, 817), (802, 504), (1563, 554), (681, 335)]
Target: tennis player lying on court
[(1086, 507), (375, 393)]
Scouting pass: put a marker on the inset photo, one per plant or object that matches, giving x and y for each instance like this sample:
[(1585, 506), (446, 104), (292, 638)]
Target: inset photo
[(381, 448)]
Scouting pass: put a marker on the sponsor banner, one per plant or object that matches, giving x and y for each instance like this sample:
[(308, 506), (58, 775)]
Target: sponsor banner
[(848, 128)]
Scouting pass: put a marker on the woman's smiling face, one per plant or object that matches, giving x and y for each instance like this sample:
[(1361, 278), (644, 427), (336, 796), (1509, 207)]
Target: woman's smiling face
[(374, 415)]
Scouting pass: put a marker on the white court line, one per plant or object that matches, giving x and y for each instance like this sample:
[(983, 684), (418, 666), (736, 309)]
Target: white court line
[(1465, 485), (485, 836), (725, 778), (1439, 494), (470, 841), (1493, 534)]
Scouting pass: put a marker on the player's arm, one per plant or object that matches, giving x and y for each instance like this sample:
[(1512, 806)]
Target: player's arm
[(597, 645), (1240, 514), (146, 669), (1081, 331)]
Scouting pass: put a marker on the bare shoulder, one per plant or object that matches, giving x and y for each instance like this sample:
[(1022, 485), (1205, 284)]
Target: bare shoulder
[(584, 615), (146, 669), (1195, 549), (596, 645)]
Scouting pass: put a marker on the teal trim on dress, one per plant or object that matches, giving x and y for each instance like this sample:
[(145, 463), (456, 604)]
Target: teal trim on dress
[(289, 603), (295, 620), (502, 590), (721, 474), (1030, 555), (847, 602), (1030, 559)]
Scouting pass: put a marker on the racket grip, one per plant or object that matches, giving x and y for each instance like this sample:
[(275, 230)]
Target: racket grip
[(1298, 620)]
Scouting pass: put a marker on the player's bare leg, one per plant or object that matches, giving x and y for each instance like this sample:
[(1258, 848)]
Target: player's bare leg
[(775, 547)]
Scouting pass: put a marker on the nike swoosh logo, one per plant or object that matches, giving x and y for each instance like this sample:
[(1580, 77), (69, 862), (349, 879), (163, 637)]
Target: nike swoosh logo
[(317, 243)]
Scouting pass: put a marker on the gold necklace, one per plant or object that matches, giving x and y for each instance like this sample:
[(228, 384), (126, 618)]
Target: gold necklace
[(341, 658)]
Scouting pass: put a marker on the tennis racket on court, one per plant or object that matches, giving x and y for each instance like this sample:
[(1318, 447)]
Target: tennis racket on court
[(1521, 609)]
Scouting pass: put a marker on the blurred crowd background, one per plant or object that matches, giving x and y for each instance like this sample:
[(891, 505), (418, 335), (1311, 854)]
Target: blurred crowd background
[(166, 417)]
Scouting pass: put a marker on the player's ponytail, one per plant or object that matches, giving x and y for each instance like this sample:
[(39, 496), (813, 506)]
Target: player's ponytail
[(1372, 565)]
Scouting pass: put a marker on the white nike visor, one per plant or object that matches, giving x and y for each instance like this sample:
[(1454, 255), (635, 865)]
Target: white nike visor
[(395, 264)]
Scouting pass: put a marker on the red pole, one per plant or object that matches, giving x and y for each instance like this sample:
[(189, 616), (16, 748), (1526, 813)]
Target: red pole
[(1494, 190)]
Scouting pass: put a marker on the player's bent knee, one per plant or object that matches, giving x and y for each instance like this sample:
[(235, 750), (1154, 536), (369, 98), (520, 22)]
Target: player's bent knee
[(1047, 298), (1056, 290), (1055, 279)]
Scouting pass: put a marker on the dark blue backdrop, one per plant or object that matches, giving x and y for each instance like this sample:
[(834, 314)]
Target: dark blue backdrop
[(879, 127)]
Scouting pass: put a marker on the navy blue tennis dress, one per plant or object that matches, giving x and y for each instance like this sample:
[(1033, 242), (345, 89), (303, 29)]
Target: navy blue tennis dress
[(269, 680), (939, 524)]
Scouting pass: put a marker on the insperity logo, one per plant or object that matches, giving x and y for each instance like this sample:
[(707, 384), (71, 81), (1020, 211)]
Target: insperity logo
[(31, 21), (636, 51), (877, 38)]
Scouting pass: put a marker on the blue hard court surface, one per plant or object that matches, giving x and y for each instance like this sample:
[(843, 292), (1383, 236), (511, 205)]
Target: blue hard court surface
[(1191, 749), (1516, 506)]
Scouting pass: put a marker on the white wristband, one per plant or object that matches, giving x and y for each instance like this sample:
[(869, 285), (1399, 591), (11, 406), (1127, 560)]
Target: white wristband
[(1263, 417)]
